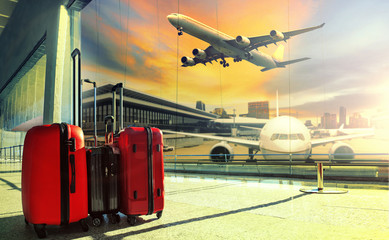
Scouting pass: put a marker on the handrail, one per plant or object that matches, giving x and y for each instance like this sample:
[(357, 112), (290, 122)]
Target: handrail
[(12, 152), (280, 154), (288, 160), (227, 157)]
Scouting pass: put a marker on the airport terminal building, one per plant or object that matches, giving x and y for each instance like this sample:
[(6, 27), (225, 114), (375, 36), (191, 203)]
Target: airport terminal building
[(36, 85), (140, 109), (37, 77)]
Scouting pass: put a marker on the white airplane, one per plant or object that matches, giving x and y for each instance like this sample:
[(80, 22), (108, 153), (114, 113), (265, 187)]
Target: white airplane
[(240, 121), (279, 137), (238, 48), (339, 131)]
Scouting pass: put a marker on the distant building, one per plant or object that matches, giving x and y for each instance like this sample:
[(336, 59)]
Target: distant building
[(259, 109), (221, 112), (342, 116), (200, 105), (357, 121), (325, 120), (328, 121), (308, 123)]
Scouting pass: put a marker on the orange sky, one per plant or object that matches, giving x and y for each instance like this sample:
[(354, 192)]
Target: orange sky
[(229, 87), (133, 42)]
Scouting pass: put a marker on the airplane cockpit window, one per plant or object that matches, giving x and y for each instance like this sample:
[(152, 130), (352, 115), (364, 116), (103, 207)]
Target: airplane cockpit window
[(294, 136), (283, 137), (301, 136), (274, 136)]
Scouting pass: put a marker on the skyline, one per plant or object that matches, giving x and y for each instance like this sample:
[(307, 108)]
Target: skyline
[(347, 67)]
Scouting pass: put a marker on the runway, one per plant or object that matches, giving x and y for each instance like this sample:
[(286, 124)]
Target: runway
[(219, 207)]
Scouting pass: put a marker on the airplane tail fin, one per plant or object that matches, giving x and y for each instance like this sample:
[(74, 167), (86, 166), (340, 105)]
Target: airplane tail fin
[(278, 55)]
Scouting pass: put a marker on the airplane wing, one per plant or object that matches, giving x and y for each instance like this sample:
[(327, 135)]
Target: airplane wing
[(252, 128), (256, 42), (239, 141), (212, 55), (324, 141)]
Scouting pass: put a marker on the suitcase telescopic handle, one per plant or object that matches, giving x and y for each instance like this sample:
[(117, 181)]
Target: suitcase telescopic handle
[(107, 138), (77, 82), (94, 110)]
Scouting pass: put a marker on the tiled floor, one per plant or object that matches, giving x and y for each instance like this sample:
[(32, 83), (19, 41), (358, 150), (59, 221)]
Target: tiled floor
[(208, 207)]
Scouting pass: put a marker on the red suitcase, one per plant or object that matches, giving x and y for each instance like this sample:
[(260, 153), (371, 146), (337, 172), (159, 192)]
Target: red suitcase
[(54, 177), (142, 173)]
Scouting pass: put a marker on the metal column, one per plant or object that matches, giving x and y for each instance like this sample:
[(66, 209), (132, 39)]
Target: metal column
[(320, 182)]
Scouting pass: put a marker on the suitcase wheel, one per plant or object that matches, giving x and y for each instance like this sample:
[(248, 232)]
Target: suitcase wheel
[(97, 221), (84, 225), (114, 218), (25, 220), (131, 220), (159, 214), (40, 230)]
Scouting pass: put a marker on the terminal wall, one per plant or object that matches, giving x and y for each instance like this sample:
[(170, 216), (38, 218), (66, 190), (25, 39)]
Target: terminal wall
[(29, 23)]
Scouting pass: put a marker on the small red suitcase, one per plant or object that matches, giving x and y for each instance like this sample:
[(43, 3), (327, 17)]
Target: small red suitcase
[(54, 177), (142, 173)]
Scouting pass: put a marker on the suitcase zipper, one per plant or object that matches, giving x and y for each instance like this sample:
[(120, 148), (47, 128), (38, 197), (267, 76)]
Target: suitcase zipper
[(64, 163), (150, 168)]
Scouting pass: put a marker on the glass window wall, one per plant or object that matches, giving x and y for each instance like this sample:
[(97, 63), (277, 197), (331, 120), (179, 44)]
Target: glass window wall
[(21, 103)]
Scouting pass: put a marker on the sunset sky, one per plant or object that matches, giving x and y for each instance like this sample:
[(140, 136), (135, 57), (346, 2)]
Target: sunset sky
[(133, 42)]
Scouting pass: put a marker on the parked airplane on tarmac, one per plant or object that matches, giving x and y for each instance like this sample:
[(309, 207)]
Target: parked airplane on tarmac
[(339, 131), (238, 48), (281, 135)]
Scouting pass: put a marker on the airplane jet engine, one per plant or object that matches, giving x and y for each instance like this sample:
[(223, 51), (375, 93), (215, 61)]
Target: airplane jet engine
[(276, 35), (242, 41), (187, 61), (220, 152), (199, 53), (341, 151)]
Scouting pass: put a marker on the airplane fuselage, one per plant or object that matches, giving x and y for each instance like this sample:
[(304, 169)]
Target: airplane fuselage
[(218, 40), (285, 135)]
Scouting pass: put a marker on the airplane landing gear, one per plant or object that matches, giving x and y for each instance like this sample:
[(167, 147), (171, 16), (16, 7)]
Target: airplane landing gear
[(180, 33), (237, 59), (252, 153), (224, 63)]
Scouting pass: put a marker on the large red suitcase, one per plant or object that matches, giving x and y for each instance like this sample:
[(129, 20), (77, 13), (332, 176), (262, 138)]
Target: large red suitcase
[(142, 173), (54, 177)]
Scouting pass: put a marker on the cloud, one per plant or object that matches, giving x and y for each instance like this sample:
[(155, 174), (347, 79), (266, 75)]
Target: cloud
[(132, 41)]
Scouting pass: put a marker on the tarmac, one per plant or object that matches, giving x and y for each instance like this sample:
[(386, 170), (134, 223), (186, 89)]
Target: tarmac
[(221, 207)]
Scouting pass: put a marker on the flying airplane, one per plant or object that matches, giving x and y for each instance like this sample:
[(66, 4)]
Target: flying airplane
[(279, 136), (239, 48)]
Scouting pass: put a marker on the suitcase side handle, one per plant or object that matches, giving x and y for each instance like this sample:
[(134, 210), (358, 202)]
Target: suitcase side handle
[(73, 179), (72, 144)]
